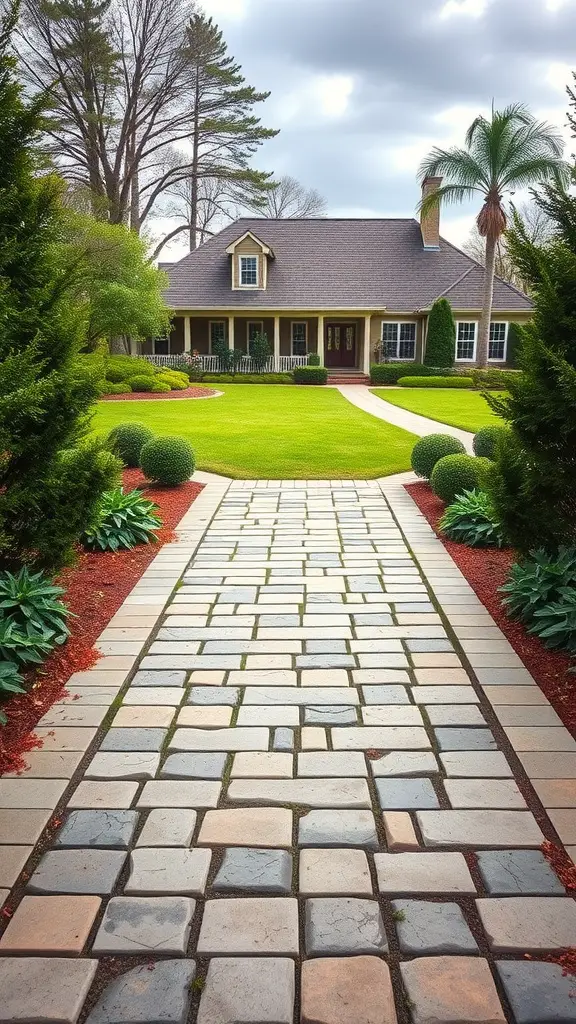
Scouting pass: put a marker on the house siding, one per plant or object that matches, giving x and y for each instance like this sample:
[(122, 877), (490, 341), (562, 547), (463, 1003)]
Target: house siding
[(248, 247)]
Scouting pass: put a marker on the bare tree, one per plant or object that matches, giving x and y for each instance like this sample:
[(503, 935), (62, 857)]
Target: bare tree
[(217, 201), (289, 199)]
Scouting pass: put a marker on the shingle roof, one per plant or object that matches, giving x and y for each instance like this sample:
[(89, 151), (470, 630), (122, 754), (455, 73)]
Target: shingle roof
[(329, 263)]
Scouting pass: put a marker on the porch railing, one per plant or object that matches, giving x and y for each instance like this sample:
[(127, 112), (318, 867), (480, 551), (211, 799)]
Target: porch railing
[(211, 364)]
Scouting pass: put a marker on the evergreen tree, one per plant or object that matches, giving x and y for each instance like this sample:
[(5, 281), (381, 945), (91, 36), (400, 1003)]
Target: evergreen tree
[(534, 486), (224, 131), (441, 336), (51, 476)]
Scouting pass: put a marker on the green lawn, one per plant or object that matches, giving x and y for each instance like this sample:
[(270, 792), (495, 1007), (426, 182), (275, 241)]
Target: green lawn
[(464, 409), (274, 432)]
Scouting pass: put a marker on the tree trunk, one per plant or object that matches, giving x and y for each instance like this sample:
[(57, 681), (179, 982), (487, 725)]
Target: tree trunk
[(484, 331), (134, 189), (194, 176)]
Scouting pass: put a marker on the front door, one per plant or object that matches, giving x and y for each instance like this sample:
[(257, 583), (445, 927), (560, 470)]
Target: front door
[(340, 344)]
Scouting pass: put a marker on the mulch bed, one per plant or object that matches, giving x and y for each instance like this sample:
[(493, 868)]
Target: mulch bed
[(149, 396), (486, 569), (95, 587)]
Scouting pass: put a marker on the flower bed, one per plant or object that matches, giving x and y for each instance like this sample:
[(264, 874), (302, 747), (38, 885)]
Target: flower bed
[(95, 588), (148, 396), (486, 569)]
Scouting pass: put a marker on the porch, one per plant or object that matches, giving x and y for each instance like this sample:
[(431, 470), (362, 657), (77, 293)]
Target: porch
[(343, 341)]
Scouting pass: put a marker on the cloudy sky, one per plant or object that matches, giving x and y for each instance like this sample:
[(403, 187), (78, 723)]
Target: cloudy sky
[(362, 89)]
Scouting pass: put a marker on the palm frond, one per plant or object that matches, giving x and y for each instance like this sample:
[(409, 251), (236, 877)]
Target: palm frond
[(450, 195), (538, 168)]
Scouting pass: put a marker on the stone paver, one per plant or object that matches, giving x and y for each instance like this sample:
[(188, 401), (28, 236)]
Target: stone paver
[(302, 725)]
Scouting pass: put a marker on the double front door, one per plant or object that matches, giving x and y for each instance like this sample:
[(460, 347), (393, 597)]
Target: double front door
[(340, 344)]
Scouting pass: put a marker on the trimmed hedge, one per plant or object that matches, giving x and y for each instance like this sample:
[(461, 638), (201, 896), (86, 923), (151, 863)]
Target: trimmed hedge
[(493, 379), (487, 439), (247, 378), (436, 382), (310, 375), (441, 335), (430, 449), (141, 383), (313, 359), (455, 474), (390, 373), (127, 441), (167, 460)]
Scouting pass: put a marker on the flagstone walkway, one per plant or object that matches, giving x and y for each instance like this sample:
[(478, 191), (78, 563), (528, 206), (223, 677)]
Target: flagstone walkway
[(306, 802)]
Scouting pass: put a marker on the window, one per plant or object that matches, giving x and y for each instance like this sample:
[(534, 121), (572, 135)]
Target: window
[(497, 341), (399, 340), (249, 271), (299, 338), (466, 339), (218, 333)]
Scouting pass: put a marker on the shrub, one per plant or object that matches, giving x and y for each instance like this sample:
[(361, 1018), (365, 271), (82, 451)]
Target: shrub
[(260, 351), (160, 387), (124, 367), (114, 375), (514, 344), (123, 520), (486, 440), (167, 460), (310, 374), (123, 388), (436, 382), (10, 683), (494, 379), (441, 336), (390, 373), (471, 520), (176, 380), (541, 593), (224, 355), (313, 359), (32, 602), (248, 378), (455, 474), (428, 450), (127, 440), (141, 383)]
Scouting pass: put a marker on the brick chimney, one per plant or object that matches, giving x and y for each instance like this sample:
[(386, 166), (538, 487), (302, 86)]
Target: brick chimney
[(430, 221)]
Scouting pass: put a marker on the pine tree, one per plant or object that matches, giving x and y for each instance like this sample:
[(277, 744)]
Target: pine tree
[(534, 488), (224, 131), (441, 336), (51, 476)]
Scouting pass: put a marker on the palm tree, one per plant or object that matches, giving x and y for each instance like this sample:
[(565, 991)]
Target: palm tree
[(510, 151)]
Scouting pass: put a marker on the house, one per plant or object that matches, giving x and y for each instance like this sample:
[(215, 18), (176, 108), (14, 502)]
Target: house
[(352, 290)]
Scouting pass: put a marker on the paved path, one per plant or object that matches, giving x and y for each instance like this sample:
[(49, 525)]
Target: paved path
[(272, 816), (362, 396)]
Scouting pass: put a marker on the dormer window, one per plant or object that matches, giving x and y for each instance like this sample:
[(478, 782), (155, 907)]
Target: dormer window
[(248, 271)]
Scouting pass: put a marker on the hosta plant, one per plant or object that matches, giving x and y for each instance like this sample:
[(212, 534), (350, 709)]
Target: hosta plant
[(123, 521), (541, 593), (471, 520), (32, 602), (10, 683), (22, 648)]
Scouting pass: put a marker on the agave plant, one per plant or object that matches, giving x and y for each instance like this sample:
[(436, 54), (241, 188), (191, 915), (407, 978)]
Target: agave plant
[(123, 521), (471, 520), (31, 602)]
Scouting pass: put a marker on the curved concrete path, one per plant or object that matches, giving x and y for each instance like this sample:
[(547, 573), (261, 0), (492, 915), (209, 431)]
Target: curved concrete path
[(362, 397)]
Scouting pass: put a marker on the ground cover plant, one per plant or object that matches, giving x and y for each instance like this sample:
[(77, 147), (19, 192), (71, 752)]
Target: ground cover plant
[(471, 519), (464, 409), (122, 521), (260, 432)]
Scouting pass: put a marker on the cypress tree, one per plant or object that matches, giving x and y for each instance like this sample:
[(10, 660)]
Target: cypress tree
[(441, 337), (51, 475)]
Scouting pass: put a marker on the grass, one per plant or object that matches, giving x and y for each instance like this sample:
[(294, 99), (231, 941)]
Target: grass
[(464, 409), (260, 432)]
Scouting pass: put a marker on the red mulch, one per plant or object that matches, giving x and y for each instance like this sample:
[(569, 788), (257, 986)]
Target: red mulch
[(486, 569), (138, 396), (95, 587)]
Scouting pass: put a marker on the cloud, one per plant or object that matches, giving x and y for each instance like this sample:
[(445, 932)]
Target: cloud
[(361, 89)]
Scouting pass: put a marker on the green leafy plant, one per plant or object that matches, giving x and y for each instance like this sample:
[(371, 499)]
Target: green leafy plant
[(441, 335), (313, 359), (167, 460), (248, 378), (486, 440), (471, 520), (260, 351), (123, 521), (32, 602), (310, 374), (142, 382), (224, 355), (541, 593), (176, 380), (428, 450), (159, 387), (455, 474), (24, 647), (127, 440), (390, 373), (494, 379), (10, 683), (436, 382), (122, 388)]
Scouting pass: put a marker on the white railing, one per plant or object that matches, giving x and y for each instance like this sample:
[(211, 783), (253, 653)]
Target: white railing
[(211, 364)]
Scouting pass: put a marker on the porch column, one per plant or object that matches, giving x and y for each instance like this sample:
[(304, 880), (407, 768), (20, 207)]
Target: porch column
[(321, 338), (276, 343), (366, 353), (231, 333), (187, 334)]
